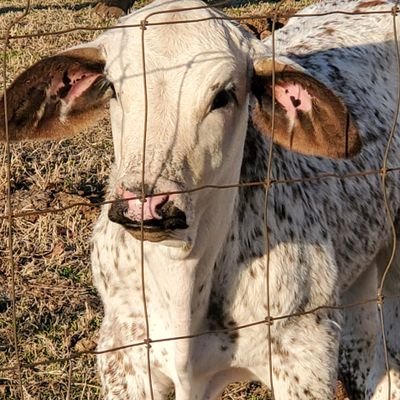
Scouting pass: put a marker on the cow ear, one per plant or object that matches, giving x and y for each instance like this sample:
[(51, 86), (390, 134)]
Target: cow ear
[(56, 97), (309, 117)]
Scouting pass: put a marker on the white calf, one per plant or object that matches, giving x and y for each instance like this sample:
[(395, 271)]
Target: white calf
[(209, 107)]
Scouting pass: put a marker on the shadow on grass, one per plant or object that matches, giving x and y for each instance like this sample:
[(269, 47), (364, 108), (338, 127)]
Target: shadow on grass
[(62, 6), (80, 6)]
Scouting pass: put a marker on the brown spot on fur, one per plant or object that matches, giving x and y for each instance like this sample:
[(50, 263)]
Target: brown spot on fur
[(369, 3), (330, 31), (128, 369)]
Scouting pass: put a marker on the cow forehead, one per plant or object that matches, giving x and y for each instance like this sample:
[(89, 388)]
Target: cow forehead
[(186, 64), (182, 53)]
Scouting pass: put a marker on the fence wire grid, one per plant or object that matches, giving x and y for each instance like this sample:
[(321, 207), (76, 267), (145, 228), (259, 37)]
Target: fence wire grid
[(10, 216)]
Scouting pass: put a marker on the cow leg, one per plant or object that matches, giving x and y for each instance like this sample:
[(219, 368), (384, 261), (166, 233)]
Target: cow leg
[(359, 333), (123, 373), (377, 385), (304, 361), (122, 381), (362, 360)]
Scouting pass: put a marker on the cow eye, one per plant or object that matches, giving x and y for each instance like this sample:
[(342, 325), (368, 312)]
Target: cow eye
[(222, 99)]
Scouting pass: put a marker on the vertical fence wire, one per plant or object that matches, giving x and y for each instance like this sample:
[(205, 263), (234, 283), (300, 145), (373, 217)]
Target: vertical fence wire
[(9, 202), (266, 198), (380, 294), (143, 200)]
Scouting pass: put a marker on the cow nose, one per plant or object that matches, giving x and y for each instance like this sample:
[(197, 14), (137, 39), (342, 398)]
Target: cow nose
[(157, 212), (151, 206)]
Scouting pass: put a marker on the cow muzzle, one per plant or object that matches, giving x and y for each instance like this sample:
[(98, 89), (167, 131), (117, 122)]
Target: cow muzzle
[(157, 213)]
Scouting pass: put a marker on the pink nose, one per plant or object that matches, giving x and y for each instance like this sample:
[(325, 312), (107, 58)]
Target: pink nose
[(158, 213), (151, 206)]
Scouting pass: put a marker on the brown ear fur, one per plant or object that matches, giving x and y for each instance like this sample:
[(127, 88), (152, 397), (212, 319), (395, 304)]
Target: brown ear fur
[(51, 99), (327, 130)]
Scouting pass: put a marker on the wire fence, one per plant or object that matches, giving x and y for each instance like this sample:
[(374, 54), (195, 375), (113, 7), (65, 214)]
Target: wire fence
[(10, 216)]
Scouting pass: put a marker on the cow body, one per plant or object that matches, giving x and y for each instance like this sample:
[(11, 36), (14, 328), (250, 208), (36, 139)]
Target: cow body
[(238, 255), (322, 234)]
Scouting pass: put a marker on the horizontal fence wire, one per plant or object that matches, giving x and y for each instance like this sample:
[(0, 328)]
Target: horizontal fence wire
[(10, 215), (270, 183), (243, 18), (266, 321)]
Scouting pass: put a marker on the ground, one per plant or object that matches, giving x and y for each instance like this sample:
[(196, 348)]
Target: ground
[(58, 312)]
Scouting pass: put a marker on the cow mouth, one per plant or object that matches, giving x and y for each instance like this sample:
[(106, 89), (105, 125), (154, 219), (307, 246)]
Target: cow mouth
[(157, 230), (166, 224), (170, 220)]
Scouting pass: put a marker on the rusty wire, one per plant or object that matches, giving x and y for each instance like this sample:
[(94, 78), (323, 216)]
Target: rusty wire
[(8, 201), (266, 197), (143, 199), (225, 18), (265, 321), (267, 184), (380, 303), (272, 182)]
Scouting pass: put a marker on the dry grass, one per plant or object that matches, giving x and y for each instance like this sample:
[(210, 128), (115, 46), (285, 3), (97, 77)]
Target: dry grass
[(58, 310)]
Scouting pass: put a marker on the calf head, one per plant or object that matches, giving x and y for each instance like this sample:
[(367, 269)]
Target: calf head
[(182, 123)]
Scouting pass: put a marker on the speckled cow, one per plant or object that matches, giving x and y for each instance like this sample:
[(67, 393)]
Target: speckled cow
[(210, 91)]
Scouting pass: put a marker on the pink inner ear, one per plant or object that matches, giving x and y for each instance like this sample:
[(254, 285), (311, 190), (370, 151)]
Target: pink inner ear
[(293, 97), (80, 83), (73, 84)]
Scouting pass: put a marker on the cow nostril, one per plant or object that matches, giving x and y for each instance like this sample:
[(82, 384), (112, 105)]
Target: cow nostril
[(118, 211), (159, 207)]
